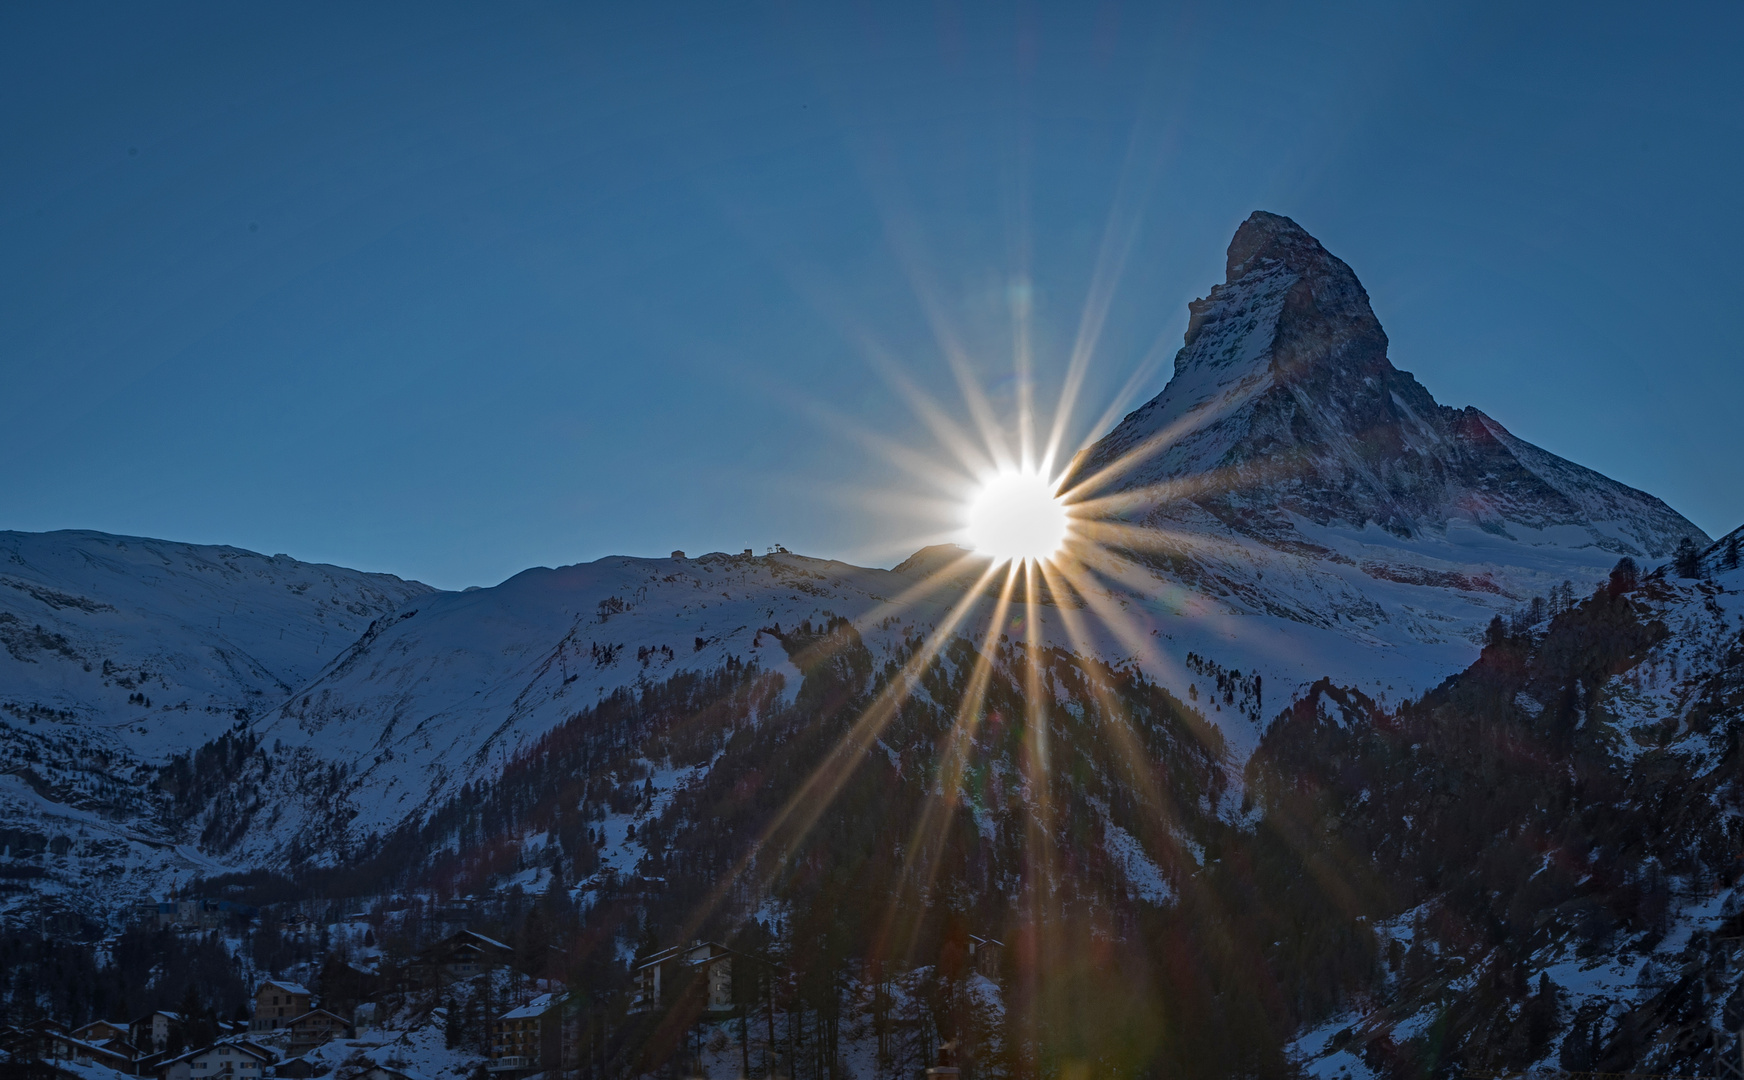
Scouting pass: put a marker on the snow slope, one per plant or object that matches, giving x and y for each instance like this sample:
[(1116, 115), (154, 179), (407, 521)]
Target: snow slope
[(117, 652), (89, 620)]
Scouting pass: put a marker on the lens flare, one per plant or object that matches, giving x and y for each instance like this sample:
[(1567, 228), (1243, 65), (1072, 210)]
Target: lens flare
[(1061, 542), (1016, 516)]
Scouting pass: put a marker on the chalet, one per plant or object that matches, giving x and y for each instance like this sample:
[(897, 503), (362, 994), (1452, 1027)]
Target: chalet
[(43, 1043), (388, 1072), (530, 1039), (151, 1033), (277, 1003), (111, 1036), (314, 1028), (461, 956), (100, 1031), (236, 1060), (125, 1049), (984, 956), (298, 1069), (664, 971)]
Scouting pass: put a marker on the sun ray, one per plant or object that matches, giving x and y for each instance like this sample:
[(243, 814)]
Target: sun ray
[(1151, 446), (1149, 496), (827, 779), (1139, 170), (1125, 629), (1116, 247), (941, 803), (1120, 403), (1115, 536), (930, 584), (1115, 720), (975, 458), (903, 236), (789, 826), (911, 461)]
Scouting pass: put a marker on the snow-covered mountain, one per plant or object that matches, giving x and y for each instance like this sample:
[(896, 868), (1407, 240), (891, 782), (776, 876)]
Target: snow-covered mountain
[(444, 691), (1305, 512), (1286, 417), (163, 644), (1288, 474), (120, 652)]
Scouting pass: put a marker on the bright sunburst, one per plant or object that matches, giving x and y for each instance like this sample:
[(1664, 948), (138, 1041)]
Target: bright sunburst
[(1058, 540), (1016, 516)]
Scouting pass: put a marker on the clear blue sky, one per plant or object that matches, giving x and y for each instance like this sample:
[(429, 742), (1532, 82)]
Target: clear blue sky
[(452, 291)]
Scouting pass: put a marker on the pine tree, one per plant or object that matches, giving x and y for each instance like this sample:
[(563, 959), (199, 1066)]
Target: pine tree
[(1688, 559), (452, 1029)]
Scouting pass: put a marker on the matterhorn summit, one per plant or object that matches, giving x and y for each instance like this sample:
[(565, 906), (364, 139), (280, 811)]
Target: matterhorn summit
[(1285, 412)]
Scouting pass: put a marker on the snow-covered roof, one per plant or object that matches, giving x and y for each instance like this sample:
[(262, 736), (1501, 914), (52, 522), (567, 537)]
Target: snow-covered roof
[(486, 940), (539, 1006), (710, 951), (287, 986), (659, 958), (314, 1013), (251, 1049), (76, 1042)]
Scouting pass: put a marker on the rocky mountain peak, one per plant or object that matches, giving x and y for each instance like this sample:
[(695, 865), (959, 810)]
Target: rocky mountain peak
[(1281, 283), (1268, 237), (1284, 408)]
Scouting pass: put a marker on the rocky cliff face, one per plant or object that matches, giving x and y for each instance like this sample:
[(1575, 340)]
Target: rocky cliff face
[(1284, 408)]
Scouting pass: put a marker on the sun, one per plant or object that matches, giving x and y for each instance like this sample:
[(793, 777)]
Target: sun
[(1016, 516)]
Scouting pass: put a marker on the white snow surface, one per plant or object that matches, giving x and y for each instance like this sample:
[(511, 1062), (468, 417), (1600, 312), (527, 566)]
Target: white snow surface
[(117, 652), (89, 620)]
